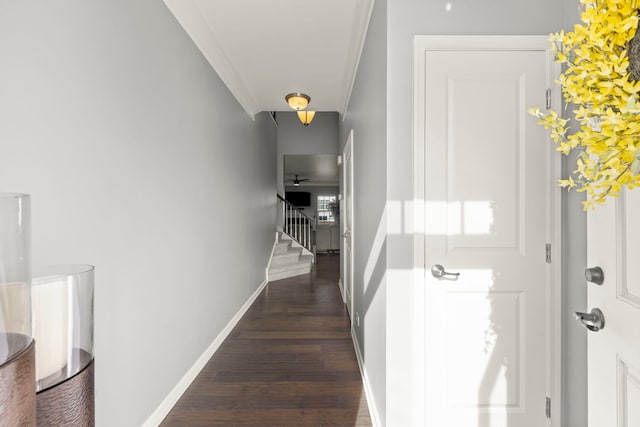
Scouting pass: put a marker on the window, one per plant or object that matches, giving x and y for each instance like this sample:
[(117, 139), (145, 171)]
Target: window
[(325, 214)]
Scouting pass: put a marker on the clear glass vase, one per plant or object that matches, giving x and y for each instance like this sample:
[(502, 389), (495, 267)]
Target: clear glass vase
[(62, 307), (15, 275)]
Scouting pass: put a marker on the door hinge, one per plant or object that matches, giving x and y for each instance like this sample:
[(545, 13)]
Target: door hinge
[(547, 253), (547, 408), (548, 98)]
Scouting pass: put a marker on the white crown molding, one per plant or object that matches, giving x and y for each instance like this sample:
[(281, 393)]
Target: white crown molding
[(359, 29), (192, 20)]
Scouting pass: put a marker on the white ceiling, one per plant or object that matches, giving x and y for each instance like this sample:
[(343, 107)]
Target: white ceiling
[(319, 169), (265, 49)]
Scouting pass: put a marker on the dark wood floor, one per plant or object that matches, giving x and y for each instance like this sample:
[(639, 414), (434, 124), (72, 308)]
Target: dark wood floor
[(289, 361)]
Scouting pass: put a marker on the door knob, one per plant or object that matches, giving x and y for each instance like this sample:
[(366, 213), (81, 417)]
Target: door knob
[(593, 321), (438, 271), (594, 275)]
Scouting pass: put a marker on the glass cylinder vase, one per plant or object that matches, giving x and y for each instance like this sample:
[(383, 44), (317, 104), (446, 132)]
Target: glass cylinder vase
[(15, 275), (62, 307)]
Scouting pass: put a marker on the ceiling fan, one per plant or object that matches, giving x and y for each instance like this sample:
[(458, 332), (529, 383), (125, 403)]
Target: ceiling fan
[(296, 181)]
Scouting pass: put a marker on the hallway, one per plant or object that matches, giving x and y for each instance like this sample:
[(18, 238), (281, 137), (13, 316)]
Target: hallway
[(289, 361)]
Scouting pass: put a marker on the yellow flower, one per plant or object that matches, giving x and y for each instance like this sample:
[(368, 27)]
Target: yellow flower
[(596, 80)]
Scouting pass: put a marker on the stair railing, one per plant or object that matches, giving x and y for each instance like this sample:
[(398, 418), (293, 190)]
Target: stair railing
[(298, 225)]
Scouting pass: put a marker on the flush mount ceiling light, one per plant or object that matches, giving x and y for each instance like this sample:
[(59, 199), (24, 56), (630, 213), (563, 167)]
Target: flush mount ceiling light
[(298, 101), (306, 117)]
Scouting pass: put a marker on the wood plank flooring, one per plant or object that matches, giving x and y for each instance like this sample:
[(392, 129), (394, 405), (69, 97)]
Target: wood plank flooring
[(289, 361)]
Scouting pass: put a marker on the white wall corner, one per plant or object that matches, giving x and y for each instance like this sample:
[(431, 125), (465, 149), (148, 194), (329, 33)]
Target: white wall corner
[(368, 391), (273, 251), (176, 393)]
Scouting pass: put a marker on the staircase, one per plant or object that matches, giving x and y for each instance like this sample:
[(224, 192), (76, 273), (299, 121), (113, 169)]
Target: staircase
[(289, 259)]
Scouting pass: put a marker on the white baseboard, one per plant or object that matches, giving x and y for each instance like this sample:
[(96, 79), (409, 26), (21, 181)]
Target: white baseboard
[(368, 392), (174, 395)]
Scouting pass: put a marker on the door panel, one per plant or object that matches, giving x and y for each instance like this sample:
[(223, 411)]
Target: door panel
[(614, 351), (484, 210), (629, 268), (481, 352), (487, 217)]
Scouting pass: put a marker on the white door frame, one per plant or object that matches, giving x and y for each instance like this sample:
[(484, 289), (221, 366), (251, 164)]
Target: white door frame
[(348, 148), (448, 43)]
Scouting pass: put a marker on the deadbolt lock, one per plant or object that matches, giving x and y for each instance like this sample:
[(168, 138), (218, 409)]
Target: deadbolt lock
[(594, 275)]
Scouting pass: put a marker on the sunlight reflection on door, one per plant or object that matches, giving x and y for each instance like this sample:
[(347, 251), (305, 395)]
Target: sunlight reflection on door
[(455, 218), (483, 366)]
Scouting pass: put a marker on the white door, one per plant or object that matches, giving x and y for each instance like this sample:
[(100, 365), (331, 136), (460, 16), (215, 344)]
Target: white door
[(614, 351), (488, 218), (347, 218)]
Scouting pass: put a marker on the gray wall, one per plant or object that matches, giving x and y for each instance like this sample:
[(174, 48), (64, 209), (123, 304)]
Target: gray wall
[(367, 116), (320, 137), (407, 18), (140, 162)]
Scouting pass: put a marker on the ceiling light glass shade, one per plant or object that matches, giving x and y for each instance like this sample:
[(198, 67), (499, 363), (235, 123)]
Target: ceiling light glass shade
[(306, 117), (298, 101)]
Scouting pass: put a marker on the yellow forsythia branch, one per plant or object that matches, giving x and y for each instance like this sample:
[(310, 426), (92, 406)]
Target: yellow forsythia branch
[(597, 82)]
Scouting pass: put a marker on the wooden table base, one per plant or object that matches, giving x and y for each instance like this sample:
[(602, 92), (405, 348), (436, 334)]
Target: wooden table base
[(18, 389), (70, 403)]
